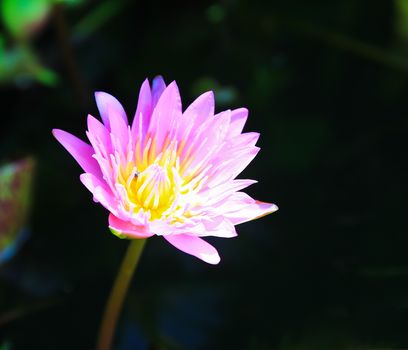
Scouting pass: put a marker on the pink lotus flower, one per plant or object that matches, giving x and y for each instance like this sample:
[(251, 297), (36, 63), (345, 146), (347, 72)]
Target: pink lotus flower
[(170, 173)]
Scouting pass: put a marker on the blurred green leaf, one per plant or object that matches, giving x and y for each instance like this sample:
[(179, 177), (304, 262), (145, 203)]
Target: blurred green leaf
[(402, 17), (215, 13), (20, 65), (70, 2), (15, 200), (45, 76), (347, 43), (5, 346), (97, 18), (23, 17), (2, 45)]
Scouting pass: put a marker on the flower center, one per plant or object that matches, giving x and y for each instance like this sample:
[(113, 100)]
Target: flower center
[(153, 190)]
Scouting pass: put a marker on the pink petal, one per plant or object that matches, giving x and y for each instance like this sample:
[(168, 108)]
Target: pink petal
[(201, 109), (214, 135), (245, 140), (205, 143), (143, 112), (238, 144), (219, 227), (107, 103), (241, 208), (229, 167), (194, 246), (167, 110), (197, 113), (128, 229), (81, 151), (216, 194), (238, 119), (100, 191), (158, 86), (164, 227), (98, 135), (119, 130)]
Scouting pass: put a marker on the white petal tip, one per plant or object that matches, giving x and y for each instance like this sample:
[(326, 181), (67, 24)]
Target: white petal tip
[(212, 259)]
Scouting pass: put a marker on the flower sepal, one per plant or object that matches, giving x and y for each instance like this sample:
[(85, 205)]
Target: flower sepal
[(118, 234)]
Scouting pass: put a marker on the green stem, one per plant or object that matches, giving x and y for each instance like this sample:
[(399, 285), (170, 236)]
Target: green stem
[(118, 293)]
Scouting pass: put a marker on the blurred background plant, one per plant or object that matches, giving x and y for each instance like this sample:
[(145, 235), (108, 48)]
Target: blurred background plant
[(22, 20), (326, 85), (15, 200)]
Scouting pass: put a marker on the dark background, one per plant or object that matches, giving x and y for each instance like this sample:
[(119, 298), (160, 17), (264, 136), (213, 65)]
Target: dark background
[(326, 84)]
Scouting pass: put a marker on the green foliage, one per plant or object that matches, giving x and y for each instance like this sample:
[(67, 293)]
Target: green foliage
[(402, 17), (98, 16), (20, 65), (5, 346), (69, 2), (15, 200), (215, 13), (23, 17)]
